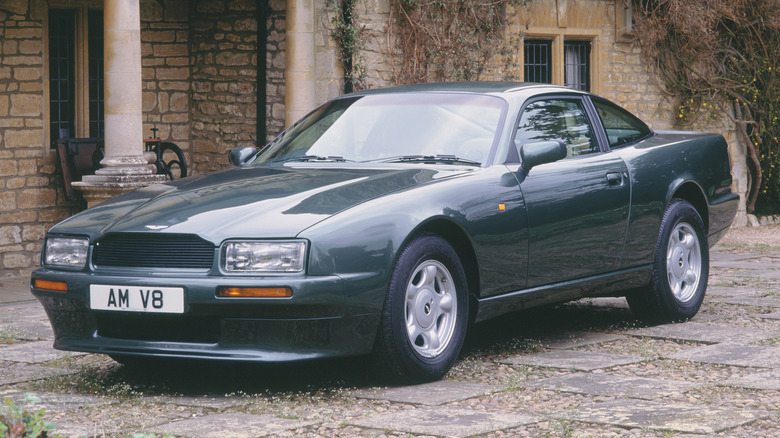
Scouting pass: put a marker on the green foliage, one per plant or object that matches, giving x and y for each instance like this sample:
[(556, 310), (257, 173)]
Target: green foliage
[(346, 33), (721, 57), (449, 40), (17, 422)]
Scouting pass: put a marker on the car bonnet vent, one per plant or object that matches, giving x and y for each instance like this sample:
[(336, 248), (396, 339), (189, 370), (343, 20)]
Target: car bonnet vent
[(153, 251)]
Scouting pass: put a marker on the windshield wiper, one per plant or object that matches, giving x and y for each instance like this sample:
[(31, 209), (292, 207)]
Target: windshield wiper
[(329, 158), (441, 158)]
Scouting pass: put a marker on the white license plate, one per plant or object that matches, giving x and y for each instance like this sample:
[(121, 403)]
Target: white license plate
[(136, 298)]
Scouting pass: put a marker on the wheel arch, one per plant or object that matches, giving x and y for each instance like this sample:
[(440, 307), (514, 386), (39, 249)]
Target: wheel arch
[(460, 241), (691, 192)]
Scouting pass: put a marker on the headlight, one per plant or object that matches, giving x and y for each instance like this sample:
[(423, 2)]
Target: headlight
[(67, 252), (264, 256)]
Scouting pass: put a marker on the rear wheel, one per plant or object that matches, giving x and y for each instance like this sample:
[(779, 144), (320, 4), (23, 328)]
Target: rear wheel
[(424, 318), (680, 268)]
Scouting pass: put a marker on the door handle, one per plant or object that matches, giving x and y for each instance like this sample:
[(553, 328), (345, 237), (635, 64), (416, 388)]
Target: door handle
[(615, 178)]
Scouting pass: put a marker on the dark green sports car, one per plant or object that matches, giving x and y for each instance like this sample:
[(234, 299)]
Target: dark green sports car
[(386, 222)]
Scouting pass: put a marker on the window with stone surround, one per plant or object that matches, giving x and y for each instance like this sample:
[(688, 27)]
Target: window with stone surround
[(75, 70), (556, 58)]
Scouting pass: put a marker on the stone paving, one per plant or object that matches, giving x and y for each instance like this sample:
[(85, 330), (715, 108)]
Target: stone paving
[(586, 368)]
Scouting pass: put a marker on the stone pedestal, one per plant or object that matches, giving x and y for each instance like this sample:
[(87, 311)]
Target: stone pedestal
[(99, 188)]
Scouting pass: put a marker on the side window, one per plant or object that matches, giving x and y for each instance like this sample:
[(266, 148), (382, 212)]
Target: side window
[(557, 119), (621, 127)]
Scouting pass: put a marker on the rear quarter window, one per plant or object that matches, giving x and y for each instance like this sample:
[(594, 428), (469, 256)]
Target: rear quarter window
[(621, 127)]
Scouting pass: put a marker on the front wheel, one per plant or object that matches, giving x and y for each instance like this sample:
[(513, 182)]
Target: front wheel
[(424, 318), (680, 268)]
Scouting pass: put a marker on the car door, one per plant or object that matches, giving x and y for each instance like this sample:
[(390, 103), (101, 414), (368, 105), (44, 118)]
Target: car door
[(577, 207)]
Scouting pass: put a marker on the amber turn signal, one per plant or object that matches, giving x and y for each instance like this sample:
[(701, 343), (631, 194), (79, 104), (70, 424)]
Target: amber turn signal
[(254, 292), (55, 286)]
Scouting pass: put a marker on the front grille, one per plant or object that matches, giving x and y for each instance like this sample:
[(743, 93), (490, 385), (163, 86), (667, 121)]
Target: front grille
[(153, 251)]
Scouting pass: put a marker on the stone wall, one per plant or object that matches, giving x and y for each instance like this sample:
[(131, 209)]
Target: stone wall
[(328, 72), (379, 51), (621, 73), (224, 80), (31, 197), (200, 88), (274, 64), (623, 76), (166, 70), (200, 75)]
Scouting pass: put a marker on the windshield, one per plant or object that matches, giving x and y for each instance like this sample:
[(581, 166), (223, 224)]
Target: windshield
[(458, 128)]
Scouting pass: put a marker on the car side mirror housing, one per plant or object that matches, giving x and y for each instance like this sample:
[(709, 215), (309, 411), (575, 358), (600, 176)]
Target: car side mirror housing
[(241, 155), (541, 152)]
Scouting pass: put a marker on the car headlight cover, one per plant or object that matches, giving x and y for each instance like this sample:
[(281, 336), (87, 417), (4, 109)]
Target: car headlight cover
[(66, 251), (265, 256)]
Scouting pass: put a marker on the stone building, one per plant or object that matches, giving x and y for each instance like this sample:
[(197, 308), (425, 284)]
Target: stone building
[(215, 74)]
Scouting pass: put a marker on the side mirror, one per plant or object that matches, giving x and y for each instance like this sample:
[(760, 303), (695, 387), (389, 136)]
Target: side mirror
[(542, 152), (241, 155)]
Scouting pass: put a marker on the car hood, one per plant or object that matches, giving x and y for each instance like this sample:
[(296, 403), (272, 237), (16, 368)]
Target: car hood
[(247, 202)]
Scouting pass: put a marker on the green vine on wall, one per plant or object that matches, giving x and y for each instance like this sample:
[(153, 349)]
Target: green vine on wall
[(346, 33), (445, 40)]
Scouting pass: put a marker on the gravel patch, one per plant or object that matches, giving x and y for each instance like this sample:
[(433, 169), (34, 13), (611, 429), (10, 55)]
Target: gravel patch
[(765, 235)]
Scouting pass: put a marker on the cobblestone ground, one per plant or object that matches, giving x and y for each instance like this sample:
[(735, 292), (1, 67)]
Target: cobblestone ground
[(586, 368)]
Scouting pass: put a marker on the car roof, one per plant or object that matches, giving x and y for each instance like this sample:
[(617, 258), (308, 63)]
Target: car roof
[(478, 87)]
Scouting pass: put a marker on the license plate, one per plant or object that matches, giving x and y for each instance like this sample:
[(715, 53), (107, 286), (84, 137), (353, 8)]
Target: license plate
[(137, 298)]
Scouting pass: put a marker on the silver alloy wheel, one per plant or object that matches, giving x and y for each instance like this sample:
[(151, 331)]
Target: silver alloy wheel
[(683, 262), (431, 308)]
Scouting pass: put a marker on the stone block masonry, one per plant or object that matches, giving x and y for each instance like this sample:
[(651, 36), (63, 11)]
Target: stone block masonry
[(275, 65), (199, 61), (223, 48), (31, 196), (200, 75), (166, 71)]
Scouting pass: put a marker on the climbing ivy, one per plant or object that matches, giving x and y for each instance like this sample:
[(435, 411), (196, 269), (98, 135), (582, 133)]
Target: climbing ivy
[(346, 33), (719, 57), (445, 40)]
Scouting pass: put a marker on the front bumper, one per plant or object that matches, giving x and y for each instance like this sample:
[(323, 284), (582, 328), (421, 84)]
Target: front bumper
[(313, 323)]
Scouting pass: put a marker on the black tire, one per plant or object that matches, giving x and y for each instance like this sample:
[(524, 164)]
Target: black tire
[(429, 275), (170, 160), (680, 268)]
